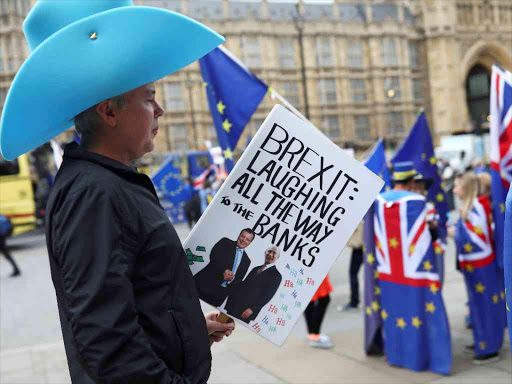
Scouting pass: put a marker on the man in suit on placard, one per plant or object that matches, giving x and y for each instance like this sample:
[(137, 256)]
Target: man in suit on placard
[(227, 267), (256, 290)]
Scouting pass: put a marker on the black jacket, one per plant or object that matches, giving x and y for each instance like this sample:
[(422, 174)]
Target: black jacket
[(128, 305), (209, 279), (255, 292)]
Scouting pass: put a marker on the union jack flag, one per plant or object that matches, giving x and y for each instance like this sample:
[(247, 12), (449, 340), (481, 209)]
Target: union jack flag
[(404, 249), (501, 150), (475, 248)]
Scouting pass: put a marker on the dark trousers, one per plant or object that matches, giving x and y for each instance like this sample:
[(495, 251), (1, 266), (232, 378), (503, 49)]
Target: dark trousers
[(7, 255), (356, 260), (315, 313)]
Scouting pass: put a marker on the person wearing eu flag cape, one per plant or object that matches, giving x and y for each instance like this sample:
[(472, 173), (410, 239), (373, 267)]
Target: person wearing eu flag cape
[(128, 305), (477, 259), (414, 322)]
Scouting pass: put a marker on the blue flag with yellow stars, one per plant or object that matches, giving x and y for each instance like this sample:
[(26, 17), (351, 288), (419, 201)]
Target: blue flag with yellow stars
[(418, 148), (507, 263), (373, 342), (168, 181), (234, 93)]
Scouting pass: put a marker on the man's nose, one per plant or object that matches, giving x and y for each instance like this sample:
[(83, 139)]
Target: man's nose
[(158, 110)]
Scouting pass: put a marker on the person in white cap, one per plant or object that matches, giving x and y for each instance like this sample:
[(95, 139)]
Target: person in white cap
[(128, 306)]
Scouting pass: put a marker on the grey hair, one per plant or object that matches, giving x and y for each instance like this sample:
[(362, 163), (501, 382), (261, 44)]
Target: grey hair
[(88, 122), (278, 252)]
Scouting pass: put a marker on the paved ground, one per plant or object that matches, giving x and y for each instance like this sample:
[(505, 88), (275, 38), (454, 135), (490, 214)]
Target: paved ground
[(31, 349)]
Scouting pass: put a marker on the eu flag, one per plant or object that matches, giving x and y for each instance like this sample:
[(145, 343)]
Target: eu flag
[(234, 93), (167, 179), (373, 343), (418, 148)]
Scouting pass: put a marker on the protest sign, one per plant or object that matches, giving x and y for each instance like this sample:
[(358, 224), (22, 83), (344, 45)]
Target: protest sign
[(303, 198)]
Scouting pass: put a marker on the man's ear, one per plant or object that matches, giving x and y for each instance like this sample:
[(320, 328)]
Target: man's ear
[(106, 113)]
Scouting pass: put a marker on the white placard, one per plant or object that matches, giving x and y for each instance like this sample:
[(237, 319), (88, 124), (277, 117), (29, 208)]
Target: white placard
[(299, 192)]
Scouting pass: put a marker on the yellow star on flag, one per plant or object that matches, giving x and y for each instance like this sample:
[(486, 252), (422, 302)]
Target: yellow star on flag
[(433, 288), (368, 311), (370, 259), (423, 156), (470, 268), (376, 274), (477, 230), (393, 243), (502, 207), (377, 290), (221, 107), (384, 314), (439, 197), (433, 160), (227, 125), (443, 185), (502, 295), (400, 323), (482, 345), (411, 249), (495, 299), (438, 250), (468, 247), (416, 322), (228, 154), (388, 188), (375, 306), (480, 288), (430, 307), (427, 265)]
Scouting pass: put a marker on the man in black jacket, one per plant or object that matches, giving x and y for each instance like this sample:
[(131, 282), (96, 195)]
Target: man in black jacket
[(257, 289), (227, 267), (128, 305)]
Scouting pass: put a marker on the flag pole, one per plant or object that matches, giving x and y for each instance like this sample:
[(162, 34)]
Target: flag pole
[(275, 95)]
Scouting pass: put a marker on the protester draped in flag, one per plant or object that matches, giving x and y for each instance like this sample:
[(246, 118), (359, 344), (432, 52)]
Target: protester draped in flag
[(414, 322), (484, 279), (507, 263), (501, 171), (373, 343), (234, 93), (501, 150), (418, 148)]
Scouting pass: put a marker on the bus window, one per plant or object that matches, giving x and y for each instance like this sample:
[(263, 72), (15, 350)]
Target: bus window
[(202, 161), (9, 167)]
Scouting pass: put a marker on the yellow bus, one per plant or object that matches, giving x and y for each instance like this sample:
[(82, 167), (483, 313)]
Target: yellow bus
[(16, 194)]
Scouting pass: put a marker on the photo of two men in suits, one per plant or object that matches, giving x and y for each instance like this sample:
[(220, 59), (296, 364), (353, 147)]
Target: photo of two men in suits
[(228, 265), (223, 277)]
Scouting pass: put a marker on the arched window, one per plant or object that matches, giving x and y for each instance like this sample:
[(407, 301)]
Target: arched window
[(477, 95)]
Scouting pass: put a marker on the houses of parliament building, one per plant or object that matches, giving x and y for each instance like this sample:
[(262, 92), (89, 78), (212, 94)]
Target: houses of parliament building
[(358, 69)]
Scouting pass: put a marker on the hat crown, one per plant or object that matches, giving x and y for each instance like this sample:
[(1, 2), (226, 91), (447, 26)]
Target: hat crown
[(50, 16)]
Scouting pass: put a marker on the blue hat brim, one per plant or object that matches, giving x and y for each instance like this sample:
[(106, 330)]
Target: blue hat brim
[(70, 72)]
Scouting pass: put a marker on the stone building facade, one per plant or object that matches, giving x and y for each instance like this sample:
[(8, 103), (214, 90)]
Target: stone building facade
[(369, 65)]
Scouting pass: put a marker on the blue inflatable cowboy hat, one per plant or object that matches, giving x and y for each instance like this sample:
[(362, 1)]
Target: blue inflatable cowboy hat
[(86, 51), (403, 171)]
